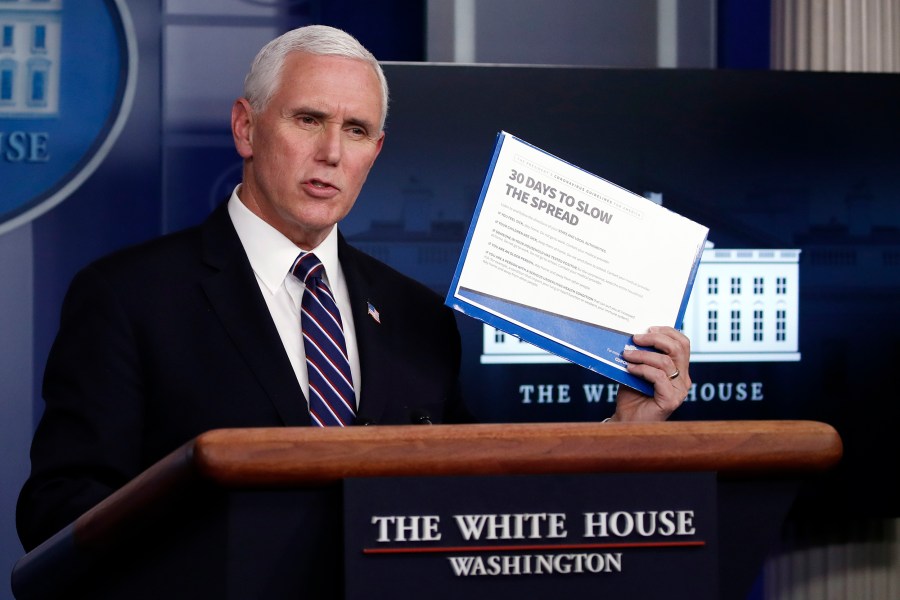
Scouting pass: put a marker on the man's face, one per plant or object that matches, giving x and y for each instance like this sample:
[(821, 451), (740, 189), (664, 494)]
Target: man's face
[(307, 155)]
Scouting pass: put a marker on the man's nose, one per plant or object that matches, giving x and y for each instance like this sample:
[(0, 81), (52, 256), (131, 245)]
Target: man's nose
[(329, 147)]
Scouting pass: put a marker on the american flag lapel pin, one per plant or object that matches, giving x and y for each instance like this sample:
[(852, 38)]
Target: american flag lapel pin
[(373, 312)]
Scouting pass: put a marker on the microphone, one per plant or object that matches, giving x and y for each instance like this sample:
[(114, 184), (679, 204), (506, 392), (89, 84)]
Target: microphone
[(361, 420), (420, 417)]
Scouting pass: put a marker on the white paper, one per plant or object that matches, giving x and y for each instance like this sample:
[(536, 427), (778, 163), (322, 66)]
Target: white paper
[(556, 239)]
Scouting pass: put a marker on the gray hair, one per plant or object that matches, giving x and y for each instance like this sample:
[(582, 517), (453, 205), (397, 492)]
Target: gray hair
[(263, 78)]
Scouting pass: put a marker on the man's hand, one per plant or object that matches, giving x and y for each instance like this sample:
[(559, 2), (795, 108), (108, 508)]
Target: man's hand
[(667, 370)]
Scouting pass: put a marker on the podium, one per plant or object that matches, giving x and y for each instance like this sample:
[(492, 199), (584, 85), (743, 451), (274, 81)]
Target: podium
[(257, 513)]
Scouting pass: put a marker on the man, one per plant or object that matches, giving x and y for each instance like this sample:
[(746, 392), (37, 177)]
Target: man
[(199, 330)]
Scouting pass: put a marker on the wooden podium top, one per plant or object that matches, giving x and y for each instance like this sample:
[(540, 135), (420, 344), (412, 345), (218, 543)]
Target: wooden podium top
[(309, 456)]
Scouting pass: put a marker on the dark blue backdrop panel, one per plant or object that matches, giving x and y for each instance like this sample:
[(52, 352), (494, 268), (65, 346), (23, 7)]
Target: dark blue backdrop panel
[(390, 29), (767, 160), (743, 34)]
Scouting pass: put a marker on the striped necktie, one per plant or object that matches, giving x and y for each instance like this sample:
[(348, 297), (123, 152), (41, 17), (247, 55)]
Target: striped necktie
[(332, 400)]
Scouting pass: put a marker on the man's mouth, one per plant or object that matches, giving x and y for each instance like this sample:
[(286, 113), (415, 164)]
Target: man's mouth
[(320, 184)]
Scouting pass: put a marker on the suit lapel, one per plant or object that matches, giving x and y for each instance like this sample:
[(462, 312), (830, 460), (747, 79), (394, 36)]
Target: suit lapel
[(235, 298), (373, 338)]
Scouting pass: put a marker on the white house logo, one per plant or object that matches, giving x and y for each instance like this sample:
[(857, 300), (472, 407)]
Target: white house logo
[(744, 307), (67, 76)]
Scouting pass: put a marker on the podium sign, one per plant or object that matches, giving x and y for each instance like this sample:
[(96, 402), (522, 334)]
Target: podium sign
[(640, 535)]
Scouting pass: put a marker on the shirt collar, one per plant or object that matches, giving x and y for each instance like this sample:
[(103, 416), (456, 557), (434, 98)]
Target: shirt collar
[(271, 254)]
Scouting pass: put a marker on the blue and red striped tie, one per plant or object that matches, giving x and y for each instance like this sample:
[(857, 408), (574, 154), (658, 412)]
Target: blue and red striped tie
[(332, 400)]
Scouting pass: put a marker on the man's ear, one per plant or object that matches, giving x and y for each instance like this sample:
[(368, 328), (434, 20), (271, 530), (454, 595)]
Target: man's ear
[(380, 141), (378, 145), (242, 127)]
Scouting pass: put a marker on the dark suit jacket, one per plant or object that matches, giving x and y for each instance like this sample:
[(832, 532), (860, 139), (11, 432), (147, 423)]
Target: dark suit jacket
[(164, 341)]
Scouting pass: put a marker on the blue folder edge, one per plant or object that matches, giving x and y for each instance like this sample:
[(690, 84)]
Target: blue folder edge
[(599, 341)]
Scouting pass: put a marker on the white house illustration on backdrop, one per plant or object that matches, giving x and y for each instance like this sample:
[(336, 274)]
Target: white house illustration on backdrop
[(30, 47)]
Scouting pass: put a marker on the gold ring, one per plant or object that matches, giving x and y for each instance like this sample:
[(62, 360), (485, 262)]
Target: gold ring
[(675, 374)]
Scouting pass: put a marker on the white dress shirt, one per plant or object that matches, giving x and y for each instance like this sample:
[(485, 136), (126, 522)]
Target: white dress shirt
[(271, 256)]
